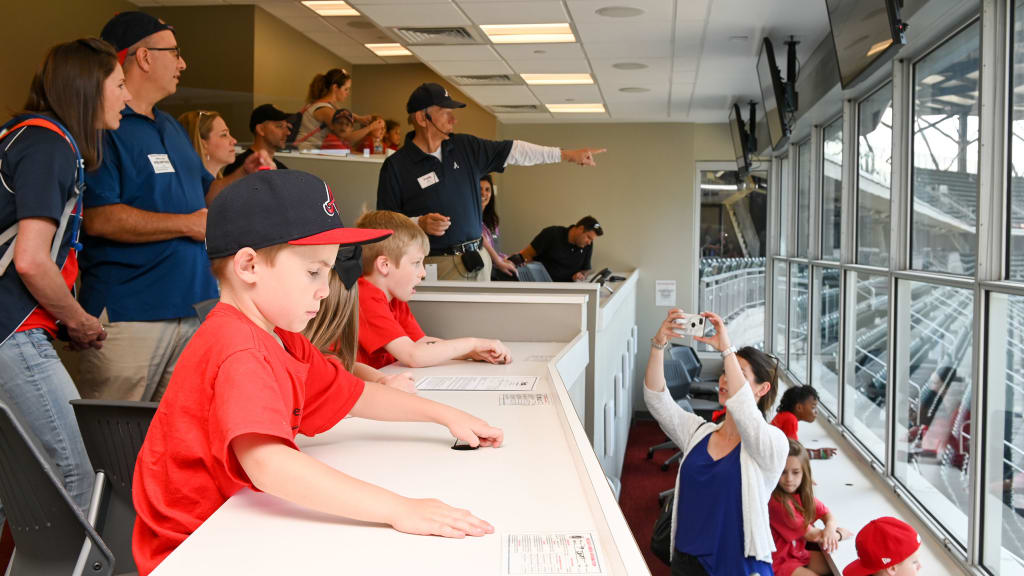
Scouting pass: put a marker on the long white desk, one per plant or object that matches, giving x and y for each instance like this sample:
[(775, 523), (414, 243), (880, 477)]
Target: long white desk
[(545, 478)]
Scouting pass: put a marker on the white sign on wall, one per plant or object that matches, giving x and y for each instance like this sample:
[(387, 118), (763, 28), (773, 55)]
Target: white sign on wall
[(664, 292)]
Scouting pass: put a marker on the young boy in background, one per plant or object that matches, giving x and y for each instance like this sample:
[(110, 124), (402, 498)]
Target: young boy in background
[(387, 329), (248, 382)]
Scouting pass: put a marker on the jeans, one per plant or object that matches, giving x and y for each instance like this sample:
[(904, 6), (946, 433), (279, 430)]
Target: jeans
[(38, 390)]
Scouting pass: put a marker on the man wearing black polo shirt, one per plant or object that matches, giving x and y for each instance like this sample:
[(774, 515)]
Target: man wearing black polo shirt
[(435, 179), (270, 129), (565, 250)]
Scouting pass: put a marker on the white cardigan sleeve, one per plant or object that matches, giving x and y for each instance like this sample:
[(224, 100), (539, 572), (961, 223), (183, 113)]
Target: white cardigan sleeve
[(766, 444), (679, 424)]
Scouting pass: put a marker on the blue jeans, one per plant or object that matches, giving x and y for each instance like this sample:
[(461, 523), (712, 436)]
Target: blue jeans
[(38, 390)]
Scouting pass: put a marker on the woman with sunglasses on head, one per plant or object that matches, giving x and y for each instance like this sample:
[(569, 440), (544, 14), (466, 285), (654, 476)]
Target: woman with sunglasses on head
[(326, 93), (720, 509), (77, 94), (211, 139)]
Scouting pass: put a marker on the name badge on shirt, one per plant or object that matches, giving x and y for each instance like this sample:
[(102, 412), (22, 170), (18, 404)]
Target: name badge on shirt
[(161, 163), (428, 180)]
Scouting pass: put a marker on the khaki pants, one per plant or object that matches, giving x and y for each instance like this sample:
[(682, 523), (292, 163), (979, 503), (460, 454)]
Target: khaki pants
[(451, 268), (136, 360)]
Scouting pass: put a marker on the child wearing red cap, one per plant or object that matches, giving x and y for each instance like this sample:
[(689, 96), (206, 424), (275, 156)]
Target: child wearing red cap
[(886, 547)]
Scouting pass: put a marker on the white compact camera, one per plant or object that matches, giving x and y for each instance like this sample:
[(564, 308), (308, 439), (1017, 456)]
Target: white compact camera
[(690, 325)]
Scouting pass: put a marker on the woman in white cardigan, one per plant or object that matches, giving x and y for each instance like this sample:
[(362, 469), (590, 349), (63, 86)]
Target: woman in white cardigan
[(720, 508)]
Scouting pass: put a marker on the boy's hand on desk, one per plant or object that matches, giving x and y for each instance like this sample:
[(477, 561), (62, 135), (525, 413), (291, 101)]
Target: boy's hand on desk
[(430, 517), (474, 431), (404, 382), (492, 351)]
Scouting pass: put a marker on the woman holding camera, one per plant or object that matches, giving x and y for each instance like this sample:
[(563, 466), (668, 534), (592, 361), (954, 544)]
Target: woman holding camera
[(720, 508)]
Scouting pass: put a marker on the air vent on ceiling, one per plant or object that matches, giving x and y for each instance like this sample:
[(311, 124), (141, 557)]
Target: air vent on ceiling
[(516, 108), (485, 79), (427, 36)]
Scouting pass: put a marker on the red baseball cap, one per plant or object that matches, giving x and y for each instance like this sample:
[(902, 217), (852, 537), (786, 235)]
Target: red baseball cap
[(884, 542)]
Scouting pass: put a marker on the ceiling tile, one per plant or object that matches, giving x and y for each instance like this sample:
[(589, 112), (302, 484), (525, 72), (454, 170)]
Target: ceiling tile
[(530, 52), (358, 29), (623, 34), (455, 68), (567, 94), (533, 12), (497, 95), (656, 69), (551, 67), (692, 10), (421, 15), (605, 50), (526, 117), (584, 11), (655, 92), (455, 53), (358, 3)]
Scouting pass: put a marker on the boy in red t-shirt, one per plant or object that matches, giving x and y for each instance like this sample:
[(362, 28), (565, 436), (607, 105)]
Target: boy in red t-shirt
[(387, 328), (248, 382)]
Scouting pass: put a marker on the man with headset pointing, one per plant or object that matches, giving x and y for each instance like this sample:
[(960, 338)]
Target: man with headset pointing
[(434, 179)]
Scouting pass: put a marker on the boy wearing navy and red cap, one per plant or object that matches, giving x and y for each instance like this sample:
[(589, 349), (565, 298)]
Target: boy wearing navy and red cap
[(886, 547), (249, 382)]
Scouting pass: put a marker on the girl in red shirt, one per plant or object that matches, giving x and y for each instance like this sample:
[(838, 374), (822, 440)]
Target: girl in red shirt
[(800, 403), (792, 521)]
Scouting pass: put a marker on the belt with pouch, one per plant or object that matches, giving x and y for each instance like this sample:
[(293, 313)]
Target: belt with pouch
[(457, 249)]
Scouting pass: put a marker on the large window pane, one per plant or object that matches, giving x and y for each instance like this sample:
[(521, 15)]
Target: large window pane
[(1003, 551), (803, 199), (933, 400), (798, 300), (945, 169), (825, 365), (780, 305), (785, 206), (831, 190), (864, 401), (1016, 145), (874, 174)]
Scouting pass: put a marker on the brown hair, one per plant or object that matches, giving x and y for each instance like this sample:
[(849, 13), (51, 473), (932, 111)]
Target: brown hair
[(322, 83), (765, 369), (198, 124), (805, 490), (221, 266), (406, 234), (69, 87), (335, 329)]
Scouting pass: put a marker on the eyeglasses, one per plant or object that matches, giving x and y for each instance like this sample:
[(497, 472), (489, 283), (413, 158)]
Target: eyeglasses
[(175, 51)]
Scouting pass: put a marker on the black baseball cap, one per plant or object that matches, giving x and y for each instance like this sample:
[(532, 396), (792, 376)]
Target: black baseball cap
[(265, 113), (430, 94), (126, 28), (270, 207), (591, 223)]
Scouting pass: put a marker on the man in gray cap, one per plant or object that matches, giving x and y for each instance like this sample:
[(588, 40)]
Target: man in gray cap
[(435, 179)]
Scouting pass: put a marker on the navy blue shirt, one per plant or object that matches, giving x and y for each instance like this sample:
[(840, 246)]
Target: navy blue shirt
[(709, 515), (416, 183), (148, 164)]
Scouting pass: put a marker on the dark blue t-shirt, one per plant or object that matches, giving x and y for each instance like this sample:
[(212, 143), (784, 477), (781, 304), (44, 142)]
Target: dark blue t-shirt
[(148, 164), (416, 183)]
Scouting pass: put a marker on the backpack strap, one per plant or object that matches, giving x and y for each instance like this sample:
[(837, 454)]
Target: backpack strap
[(72, 212)]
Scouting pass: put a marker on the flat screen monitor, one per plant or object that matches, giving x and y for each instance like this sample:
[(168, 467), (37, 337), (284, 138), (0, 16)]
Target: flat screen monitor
[(739, 139), (773, 96), (862, 30)]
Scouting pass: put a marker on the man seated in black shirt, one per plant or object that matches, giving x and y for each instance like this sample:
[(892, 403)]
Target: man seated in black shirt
[(565, 250), (270, 129)]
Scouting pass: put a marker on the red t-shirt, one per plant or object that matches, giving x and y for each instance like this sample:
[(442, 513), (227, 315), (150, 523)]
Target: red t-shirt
[(381, 322), (788, 532), (41, 317), (787, 422), (233, 378)]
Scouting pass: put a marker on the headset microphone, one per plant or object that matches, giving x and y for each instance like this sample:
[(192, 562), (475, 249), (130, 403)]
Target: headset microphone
[(431, 120)]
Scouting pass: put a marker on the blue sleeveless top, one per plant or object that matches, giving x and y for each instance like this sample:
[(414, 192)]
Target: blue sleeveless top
[(709, 516)]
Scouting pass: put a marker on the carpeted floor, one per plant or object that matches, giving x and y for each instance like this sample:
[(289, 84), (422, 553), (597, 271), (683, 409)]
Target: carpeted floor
[(642, 480)]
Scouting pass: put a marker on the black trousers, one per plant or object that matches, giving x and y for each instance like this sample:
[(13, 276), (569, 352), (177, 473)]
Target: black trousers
[(686, 565)]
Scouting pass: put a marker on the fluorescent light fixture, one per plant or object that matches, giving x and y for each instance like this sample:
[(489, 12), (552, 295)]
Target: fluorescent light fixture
[(330, 8), (719, 187), (557, 79), (528, 33), (594, 108), (388, 49)]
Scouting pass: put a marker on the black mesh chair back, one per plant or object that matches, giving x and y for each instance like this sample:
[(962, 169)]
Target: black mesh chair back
[(203, 308), (688, 356), (533, 271), (113, 433), (51, 535)]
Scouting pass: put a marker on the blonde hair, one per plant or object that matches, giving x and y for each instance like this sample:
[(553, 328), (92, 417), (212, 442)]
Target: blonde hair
[(406, 234), (335, 329), (198, 124), (805, 490)]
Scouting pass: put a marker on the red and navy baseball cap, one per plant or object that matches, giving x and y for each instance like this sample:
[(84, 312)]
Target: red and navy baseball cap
[(884, 542), (271, 207), (430, 94), (125, 29)]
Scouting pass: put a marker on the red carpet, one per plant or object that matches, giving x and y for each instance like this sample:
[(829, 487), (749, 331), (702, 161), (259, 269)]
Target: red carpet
[(642, 481)]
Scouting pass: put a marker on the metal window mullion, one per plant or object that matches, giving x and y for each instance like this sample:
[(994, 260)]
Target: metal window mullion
[(847, 250)]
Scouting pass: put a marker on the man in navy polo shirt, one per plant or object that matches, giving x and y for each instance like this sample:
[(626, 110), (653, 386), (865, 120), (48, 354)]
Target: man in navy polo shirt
[(435, 179), (144, 264)]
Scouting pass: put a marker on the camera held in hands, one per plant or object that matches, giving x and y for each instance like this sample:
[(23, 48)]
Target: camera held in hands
[(690, 325)]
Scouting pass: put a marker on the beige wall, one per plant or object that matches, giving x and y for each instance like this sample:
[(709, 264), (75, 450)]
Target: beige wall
[(642, 192), (384, 89), (31, 28), (284, 63)]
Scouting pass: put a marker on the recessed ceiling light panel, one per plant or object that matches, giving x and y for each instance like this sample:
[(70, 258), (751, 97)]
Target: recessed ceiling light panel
[(557, 79), (388, 49), (592, 108), (528, 33), (330, 8)]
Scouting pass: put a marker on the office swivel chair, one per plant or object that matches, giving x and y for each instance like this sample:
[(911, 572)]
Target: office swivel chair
[(113, 433), (693, 367), (679, 382), (51, 535), (533, 271)]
